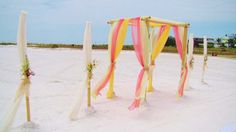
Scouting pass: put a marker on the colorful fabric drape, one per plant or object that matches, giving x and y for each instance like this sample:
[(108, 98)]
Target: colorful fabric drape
[(142, 46), (158, 43), (181, 38), (116, 41)]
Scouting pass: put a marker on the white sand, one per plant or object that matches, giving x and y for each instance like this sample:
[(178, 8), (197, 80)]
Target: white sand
[(205, 108)]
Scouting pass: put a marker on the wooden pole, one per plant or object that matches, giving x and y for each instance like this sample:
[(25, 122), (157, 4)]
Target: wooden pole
[(184, 64), (27, 101), (150, 86), (27, 108), (184, 61), (87, 48), (150, 19), (89, 92), (168, 22)]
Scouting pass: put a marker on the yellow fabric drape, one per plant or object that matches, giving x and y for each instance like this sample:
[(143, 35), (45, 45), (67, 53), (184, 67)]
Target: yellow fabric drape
[(101, 84), (157, 46), (119, 45), (160, 43), (121, 37), (110, 92), (146, 47)]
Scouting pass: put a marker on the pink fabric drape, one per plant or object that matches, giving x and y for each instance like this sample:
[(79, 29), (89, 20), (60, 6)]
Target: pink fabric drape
[(137, 41), (103, 83), (136, 102), (136, 37), (184, 69), (184, 73), (178, 41), (107, 77), (114, 39)]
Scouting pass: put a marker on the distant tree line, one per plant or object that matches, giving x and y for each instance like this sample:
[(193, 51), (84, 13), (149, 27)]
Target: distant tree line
[(229, 40), (232, 42), (169, 43)]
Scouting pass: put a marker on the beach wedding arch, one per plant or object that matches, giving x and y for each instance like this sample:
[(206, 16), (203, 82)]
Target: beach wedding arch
[(149, 35)]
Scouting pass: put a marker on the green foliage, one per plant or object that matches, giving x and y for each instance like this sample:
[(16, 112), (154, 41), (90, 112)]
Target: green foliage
[(218, 40), (39, 45), (100, 46), (232, 42), (128, 47), (170, 41), (25, 67), (7, 43)]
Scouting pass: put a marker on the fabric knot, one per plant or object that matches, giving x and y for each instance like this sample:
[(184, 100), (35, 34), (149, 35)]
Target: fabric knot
[(146, 68), (113, 63), (153, 63)]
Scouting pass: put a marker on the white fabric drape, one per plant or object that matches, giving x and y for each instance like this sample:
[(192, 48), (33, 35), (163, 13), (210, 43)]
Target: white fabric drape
[(23, 88), (87, 49)]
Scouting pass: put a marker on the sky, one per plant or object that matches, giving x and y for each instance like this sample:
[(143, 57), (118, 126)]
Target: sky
[(63, 21)]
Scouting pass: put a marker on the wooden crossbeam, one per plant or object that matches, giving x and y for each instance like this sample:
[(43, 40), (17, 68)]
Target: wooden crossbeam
[(156, 22)]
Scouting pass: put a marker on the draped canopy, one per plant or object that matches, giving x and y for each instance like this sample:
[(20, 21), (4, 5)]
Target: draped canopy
[(149, 37)]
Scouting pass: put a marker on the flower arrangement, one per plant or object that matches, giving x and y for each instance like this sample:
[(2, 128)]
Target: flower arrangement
[(25, 68), (90, 68)]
